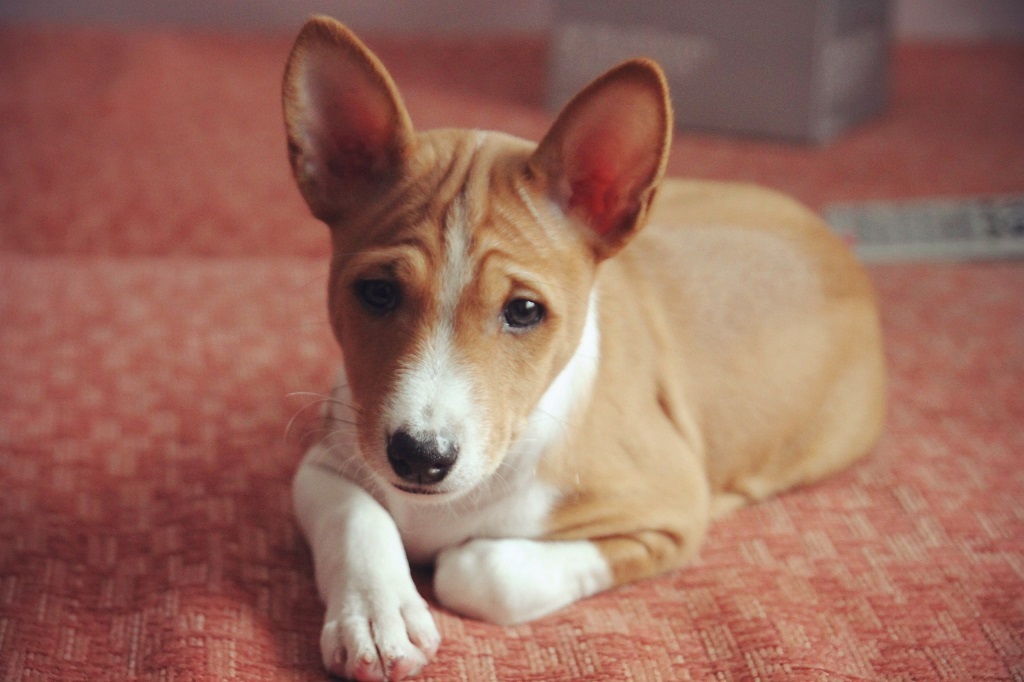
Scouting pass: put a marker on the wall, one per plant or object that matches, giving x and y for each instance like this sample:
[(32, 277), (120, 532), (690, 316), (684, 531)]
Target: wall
[(458, 16), (916, 19), (959, 19)]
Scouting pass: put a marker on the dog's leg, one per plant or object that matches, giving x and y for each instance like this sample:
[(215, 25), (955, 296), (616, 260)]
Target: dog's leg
[(515, 580), (377, 627), (624, 532)]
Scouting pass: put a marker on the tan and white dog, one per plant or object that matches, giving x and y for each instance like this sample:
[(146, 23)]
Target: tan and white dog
[(539, 411)]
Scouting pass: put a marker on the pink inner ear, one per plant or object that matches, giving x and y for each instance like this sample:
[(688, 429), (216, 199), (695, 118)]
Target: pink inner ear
[(357, 139), (599, 180), (596, 197), (354, 121), (606, 149)]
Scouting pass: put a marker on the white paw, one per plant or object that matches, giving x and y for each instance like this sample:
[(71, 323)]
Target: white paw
[(379, 637), (514, 580)]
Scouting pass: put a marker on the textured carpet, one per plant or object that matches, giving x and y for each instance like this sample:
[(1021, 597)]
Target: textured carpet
[(161, 298)]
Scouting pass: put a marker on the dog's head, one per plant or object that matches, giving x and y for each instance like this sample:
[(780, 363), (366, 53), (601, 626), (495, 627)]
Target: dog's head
[(463, 261)]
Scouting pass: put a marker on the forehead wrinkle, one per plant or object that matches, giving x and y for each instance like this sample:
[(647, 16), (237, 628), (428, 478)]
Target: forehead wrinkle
[(512, 269), (407, 258), (523, 234), (413, 204), (520, 240), (551, 230)]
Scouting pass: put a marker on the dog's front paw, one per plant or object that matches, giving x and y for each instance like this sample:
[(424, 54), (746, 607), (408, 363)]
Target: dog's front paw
[(378, 637), (515, 580)]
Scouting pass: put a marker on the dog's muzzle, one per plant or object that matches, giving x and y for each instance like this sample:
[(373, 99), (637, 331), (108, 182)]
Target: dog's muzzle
[(423, 461)]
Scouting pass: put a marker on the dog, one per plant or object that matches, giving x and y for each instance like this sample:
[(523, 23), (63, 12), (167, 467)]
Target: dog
[(536, 397)]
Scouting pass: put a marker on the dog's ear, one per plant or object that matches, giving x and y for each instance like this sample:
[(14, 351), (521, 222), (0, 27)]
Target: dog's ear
[(348, 131), (606, 152)]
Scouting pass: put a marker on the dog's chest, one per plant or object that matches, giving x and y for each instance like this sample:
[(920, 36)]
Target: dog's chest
[(520, 512)]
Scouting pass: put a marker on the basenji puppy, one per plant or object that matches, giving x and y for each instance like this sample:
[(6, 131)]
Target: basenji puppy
[(536, 408)]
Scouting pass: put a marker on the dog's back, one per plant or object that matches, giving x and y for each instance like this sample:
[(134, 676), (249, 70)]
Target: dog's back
[(770, 333)]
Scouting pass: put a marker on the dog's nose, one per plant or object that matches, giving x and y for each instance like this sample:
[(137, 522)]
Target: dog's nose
[(421, 461)]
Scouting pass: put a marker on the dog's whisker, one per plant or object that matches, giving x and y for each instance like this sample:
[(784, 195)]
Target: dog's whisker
[(323, 432), (319, 400)]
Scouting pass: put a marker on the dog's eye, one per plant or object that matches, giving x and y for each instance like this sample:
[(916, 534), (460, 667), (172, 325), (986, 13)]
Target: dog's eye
[(522, 313), (379, 296)]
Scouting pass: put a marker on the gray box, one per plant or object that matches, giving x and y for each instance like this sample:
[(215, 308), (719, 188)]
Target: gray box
[(803, 70)]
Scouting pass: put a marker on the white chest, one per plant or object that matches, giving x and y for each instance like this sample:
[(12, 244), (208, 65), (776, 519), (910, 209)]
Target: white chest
[(497, 512)]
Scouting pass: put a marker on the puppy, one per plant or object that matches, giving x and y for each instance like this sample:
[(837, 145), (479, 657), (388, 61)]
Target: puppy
[(536, 409)]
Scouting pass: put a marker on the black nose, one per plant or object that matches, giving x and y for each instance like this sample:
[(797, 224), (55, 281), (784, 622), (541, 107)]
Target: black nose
[(423, 461)]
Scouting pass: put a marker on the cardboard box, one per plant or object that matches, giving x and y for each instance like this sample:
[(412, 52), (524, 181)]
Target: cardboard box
[(798, 69)]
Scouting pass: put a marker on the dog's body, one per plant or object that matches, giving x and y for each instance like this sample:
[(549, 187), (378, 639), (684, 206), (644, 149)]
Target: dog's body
[(539, 411)]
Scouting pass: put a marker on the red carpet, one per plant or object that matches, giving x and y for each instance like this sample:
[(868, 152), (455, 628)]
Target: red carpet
[(161, 296)]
